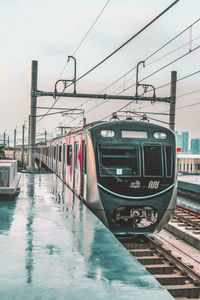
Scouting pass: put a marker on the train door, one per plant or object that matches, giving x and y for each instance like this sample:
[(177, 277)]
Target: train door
[(76, 175), (83, 171), (59, 163), (63, 163), (77, 171), (57, 159), (70, 164), (50, 157), (54, 159)]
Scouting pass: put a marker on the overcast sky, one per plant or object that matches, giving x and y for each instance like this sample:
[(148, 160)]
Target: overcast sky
[(48, 31)]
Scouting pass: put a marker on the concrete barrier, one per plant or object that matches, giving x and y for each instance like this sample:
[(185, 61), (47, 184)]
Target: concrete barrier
[(9, 178)]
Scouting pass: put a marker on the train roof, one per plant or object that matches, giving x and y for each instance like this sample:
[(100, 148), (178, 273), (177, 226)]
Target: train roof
[(112, 124)]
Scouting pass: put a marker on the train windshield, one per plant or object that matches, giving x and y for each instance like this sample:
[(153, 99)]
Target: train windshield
[(119, 161), (153, 160)]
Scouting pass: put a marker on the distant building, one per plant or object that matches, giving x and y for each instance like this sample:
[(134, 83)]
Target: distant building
[(195, 146), (182, 140), (179, 139), (185, 141), (1, 139)]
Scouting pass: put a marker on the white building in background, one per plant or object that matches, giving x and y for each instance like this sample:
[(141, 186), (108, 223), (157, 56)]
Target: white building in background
[(188, 163)]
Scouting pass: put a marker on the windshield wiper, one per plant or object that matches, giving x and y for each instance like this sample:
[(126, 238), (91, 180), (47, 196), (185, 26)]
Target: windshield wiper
[(113, 175)]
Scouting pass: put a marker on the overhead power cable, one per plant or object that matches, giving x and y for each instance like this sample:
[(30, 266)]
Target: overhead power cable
[(124, 44), (156, 51), (150, 89), (85, 36), (77, 48), (185, 77), (128, 41), (151, 55), (81, 42), (160, 69)]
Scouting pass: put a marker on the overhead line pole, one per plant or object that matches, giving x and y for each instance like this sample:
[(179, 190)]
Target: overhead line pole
[(14, 147), (32, 123), (23, 129), (173, 100)]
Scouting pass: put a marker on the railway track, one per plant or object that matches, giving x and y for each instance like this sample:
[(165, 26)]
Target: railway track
[(187, 218), (178, 278)]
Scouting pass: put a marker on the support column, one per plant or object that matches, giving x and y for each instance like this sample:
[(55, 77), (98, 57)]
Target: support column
[(173, 101), (4, 138), (45, 136), (14, 152), (23, 128), (33, 115)]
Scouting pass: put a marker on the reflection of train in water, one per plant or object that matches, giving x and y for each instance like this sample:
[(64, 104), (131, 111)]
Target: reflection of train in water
[(124, 171)]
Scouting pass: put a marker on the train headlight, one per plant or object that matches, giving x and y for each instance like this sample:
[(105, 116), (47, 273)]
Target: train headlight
[(160, 135), (107, 133)]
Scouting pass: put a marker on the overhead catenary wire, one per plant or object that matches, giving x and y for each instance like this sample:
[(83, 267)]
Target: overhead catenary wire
[(151, 75), (128, 41), (165, 66), (155, 52), (85, 36), (90, 29), (120, 47), (77, 48), (124, 44), (180, 79), (148, 57)]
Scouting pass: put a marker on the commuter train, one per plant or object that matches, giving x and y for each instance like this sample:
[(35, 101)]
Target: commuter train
[(123, 170)]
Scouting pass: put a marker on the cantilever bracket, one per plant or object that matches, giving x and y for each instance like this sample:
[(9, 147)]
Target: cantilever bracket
[(144, 85)]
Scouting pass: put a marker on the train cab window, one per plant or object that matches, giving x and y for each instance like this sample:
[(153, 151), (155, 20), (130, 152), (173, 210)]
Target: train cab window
[(119, 161), (152, 160), (169, 161), (69, 155), (60, 153)]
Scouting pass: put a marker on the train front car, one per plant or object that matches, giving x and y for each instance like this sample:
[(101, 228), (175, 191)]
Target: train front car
[(135, 174)]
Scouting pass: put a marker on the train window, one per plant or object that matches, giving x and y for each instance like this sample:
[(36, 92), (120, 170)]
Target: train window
[(169, 160), (134, 134), (119, 161), (69, 155), (63, 153), (54, 152), (152, 160), (60, 153), (160, 135), (107, 133)]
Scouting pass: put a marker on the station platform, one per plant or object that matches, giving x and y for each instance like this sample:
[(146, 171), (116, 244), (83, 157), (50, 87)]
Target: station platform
[(189, 203), (52, 247), (189, 185), (189, 192)]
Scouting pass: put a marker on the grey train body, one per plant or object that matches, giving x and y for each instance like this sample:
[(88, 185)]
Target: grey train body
[(124, 171)]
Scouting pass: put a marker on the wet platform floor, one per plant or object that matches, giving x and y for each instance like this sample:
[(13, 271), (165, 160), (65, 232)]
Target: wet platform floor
[(52, 247)]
